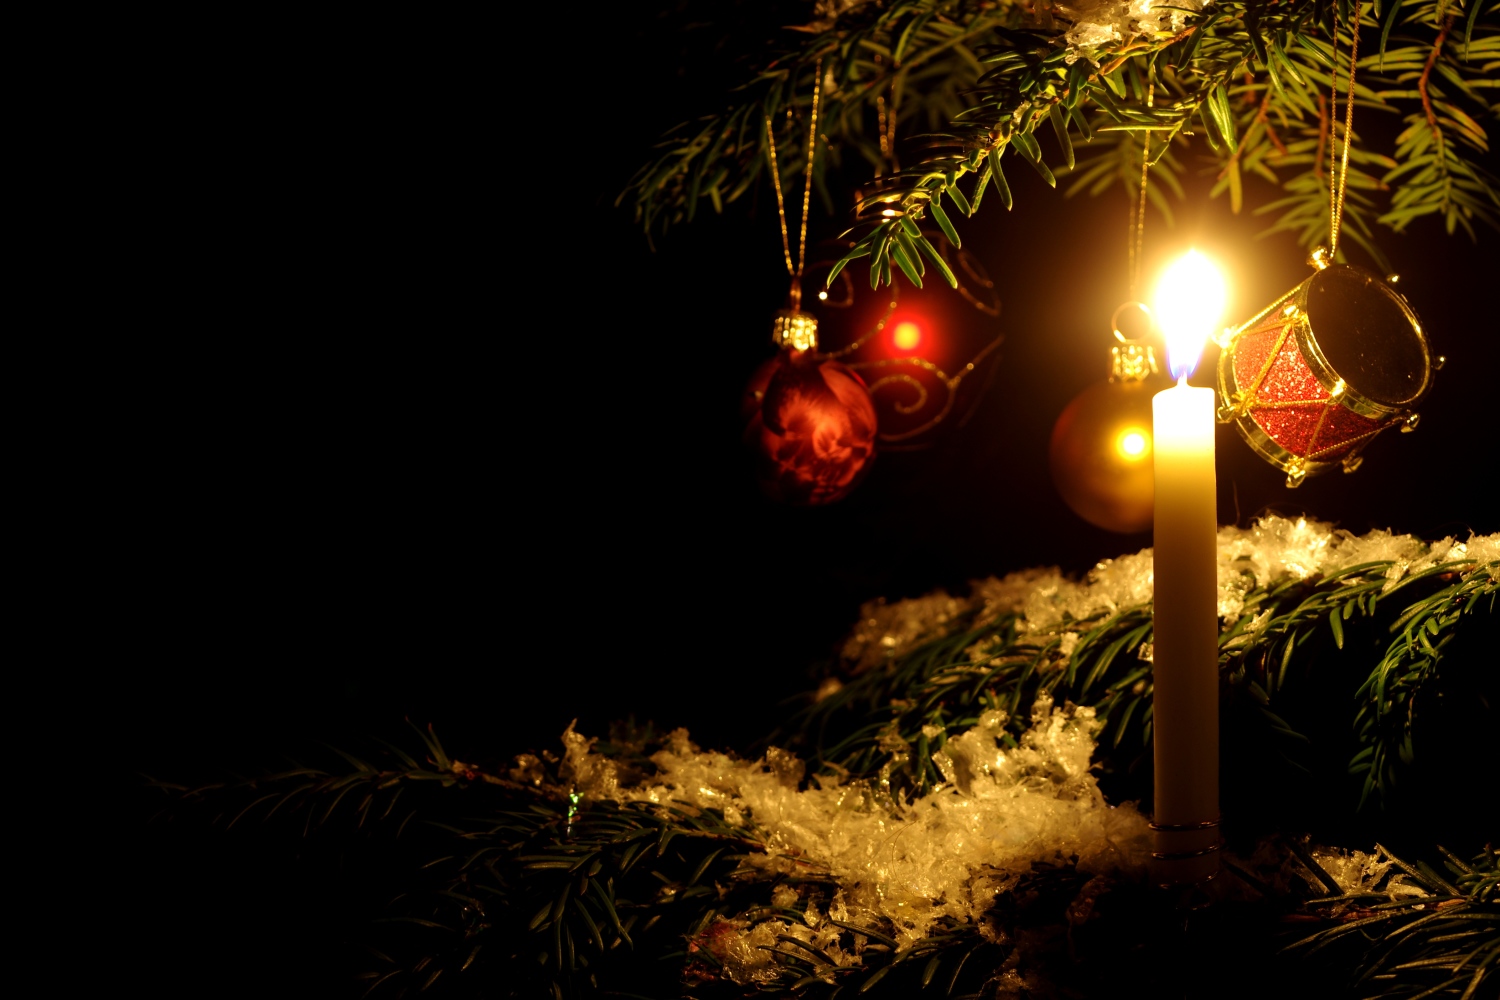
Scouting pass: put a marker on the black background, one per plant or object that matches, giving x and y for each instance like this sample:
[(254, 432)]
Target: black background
[(415, 425)]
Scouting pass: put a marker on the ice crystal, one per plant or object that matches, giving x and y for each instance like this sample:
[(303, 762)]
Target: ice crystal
[(1356, 871), (884, 629), (1007, 595), (905, 863), (1100, 22)]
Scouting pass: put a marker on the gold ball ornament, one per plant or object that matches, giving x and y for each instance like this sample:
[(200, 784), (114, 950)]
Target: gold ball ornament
[(1101, 454), (1101, 451)]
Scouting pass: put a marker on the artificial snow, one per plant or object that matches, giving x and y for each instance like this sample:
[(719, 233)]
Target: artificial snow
[(908, 862)]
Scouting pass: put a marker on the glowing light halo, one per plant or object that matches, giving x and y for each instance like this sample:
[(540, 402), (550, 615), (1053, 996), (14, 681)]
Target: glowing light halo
[(1190, 301), (1133, 443), (907, 335)]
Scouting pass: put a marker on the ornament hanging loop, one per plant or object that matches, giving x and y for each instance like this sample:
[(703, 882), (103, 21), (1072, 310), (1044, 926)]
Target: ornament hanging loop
[(1120, 310), (1131, 359)]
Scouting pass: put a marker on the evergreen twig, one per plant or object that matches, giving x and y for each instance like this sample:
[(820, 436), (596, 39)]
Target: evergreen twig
[(977, 80)]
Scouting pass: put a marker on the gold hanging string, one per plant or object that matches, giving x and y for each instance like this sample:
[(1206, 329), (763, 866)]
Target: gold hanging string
[(890, 127), (786, 248), (1135, 242), (1336, 193), (1333, 114), (812, 138), (812, 150)]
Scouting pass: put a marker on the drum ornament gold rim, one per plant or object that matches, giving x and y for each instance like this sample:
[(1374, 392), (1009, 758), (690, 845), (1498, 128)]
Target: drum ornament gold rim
[(1329, 379), (1294, 321)]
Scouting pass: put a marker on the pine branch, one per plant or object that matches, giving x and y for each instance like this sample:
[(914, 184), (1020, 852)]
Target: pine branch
[(972, 667), (1413, 932), (1435, 173), (1389, 695), (983, 79)]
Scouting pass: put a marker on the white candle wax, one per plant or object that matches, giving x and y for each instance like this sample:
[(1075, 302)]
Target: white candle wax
[(1185, 658)]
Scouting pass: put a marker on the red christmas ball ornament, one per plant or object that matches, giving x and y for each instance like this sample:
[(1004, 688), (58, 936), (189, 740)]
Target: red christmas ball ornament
[(809, 420)]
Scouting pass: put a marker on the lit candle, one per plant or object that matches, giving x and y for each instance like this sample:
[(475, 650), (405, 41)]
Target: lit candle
[(1185, 658)]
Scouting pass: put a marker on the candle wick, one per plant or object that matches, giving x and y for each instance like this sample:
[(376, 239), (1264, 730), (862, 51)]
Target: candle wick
[(1182, 381)]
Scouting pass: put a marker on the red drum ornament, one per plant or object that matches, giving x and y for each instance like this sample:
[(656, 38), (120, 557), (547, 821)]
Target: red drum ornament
[(1313, 377), (809, 420)]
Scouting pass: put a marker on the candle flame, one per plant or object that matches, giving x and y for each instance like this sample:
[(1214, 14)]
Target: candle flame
[(1189, 302)]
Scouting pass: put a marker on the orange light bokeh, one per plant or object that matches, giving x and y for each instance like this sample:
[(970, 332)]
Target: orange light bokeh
[(1133, 444), (907, 336)]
